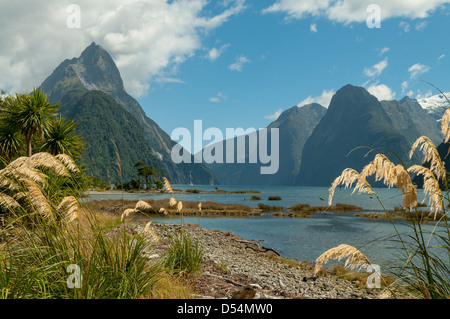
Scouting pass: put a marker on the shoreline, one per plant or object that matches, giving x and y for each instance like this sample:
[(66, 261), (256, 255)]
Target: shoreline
[(176, 191), (232, 266), (190, 208)]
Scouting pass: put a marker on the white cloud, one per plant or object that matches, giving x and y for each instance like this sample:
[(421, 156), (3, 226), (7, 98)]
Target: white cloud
[(214, 53), (313, 27), (239, 64), (384, 50), (348, 11), (420, 26), (274, 116), (220, 97), (147, 39), (324, 99), (169, 80), (418, 69), (441, 57), (423, 95), (377, 69), (405, 85), (405, 26), (382, 92)]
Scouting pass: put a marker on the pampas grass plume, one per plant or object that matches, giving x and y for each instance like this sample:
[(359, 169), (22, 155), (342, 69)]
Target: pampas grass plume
[(144, 207), (71, 204), (172, 202), (167, 185), (355, 258), (128, 213)]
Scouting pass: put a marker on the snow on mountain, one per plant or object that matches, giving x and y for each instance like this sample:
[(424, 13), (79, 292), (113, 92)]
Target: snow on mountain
[(434, 101)]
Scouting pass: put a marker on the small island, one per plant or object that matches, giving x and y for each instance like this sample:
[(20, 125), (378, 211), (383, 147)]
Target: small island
[(306, 211)]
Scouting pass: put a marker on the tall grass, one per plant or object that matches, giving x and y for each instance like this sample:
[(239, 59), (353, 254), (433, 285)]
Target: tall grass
[(184, 255), (424, 265), (41, 236)]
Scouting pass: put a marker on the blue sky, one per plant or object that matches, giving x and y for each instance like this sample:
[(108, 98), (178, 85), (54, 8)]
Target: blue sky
[(233, 63), (289, 63)]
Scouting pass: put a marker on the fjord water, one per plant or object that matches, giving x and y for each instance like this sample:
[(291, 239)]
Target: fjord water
[(301, 238)]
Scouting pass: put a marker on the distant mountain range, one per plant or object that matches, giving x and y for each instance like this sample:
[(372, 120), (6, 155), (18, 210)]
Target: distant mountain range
[(91, 92), (315, 143), (295, 126), (355, 123)]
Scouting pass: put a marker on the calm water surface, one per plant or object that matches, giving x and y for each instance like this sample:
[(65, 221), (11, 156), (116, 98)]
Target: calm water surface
[(301, 238)]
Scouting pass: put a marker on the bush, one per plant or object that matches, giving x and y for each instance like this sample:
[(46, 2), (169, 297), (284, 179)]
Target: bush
[(183, 255)]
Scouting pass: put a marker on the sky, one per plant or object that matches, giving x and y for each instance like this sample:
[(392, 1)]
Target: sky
[(234, 63)]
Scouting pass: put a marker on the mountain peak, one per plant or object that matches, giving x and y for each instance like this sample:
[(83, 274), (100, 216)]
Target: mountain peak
[(351, 88), (406, 99), (94, 70), (93, 48), (352, 97), (312, 106)]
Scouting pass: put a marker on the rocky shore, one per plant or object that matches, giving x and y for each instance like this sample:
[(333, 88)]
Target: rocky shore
[(237, 268)]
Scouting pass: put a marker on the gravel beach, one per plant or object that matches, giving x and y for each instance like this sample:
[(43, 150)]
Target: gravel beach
[(236, 268)]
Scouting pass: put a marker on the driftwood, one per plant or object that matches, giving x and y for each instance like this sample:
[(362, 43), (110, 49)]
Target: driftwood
[(266, 249), (313, 278), (259, 249), (224, 278)]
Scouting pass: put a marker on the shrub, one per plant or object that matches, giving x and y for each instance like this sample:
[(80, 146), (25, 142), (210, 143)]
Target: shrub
[(183, 254), (50, 234)]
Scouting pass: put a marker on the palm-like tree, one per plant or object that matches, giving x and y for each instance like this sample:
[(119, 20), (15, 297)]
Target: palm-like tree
[(30, 114), (61, 139), (11, 141)]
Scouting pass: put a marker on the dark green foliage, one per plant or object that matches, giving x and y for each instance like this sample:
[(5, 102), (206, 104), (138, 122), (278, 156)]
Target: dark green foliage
[(184, 254), (28, 125), (96, 70), (11, 141), (159, 184), (100, 120), (93, 182), (146, 172), (30, 114), (60, 138)]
